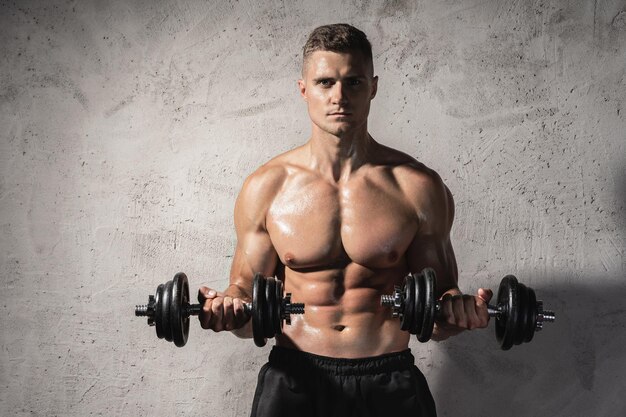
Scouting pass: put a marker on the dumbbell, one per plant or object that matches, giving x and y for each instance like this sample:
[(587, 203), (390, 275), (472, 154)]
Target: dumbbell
[(169, 309), (518, 313)]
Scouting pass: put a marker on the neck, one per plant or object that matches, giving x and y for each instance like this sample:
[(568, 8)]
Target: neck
[(337, 157)]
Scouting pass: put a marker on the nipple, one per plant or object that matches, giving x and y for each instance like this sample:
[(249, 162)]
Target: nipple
[(289, 259)]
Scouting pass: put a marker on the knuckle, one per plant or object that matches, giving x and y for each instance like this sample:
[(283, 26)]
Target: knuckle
[(216, 306)]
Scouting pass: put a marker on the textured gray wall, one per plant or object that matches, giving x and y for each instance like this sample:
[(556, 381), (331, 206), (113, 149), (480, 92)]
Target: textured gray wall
[(127, 128)]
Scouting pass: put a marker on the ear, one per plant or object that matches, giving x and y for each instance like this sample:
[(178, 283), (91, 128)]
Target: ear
[(302, 88), (374, 87)]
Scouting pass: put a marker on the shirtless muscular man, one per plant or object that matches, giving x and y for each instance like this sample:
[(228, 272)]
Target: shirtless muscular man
[(341, 220)]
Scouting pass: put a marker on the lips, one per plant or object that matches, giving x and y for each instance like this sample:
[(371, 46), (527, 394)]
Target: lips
[(340, 113)]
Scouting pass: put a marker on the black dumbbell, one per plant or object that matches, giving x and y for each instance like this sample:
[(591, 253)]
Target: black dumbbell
[(518, 313), (169, 309)]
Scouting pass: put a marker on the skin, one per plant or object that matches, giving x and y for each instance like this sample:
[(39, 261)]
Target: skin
[(341, 220)]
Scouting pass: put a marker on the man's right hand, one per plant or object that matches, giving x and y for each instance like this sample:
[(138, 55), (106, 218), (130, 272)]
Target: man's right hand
[(220, 311)]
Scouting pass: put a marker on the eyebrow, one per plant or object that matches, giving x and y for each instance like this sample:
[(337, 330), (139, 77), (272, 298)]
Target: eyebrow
[(348, 77)]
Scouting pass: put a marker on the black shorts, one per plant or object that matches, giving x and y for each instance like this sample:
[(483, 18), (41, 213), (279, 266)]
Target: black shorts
[(300, 384)]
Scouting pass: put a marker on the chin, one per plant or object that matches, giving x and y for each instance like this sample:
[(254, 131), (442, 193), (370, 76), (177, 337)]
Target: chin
[(339, 129), (339, 132)]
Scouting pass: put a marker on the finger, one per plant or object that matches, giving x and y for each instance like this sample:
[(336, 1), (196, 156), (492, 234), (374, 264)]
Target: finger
[(469, 305), (482, 306), (227, 320), (205, 293), (206, 314), (217, 309), (485, 294), (458, 307), (239, 311)]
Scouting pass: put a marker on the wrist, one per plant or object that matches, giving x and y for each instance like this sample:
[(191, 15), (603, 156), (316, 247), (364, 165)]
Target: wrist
[(235, 291)]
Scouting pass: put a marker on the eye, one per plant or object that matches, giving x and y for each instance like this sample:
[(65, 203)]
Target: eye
[(354, 82), (325, 83)]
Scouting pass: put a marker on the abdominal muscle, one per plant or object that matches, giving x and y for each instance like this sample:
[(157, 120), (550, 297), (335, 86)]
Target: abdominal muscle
[(343, 316)]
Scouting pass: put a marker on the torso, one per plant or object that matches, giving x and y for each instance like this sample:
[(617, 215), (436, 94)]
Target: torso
[(342, 245)]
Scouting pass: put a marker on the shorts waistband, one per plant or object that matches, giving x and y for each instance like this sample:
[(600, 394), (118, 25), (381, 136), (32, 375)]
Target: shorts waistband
[(297, 359)]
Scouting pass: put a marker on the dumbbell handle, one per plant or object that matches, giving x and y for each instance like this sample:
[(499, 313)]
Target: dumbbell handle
[(189, 310), (393, 300), (195, 309), (492, 310), (543, 316), (290, 308)]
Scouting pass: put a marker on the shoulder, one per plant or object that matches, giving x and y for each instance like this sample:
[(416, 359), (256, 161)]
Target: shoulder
[(418, 180), (413, 176), (423, 188), (261, 187)]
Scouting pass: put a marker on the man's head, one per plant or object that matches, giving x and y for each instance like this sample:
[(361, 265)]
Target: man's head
[(338, 81), (340, 38)]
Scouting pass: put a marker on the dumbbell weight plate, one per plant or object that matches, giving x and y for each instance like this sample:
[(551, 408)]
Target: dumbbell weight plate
[(521, 315), (408, 313), (180, 297), (166, 322), (158, 312), (502, 301), (507, 299), (532, 315), (429, 305), (418, 308), (258, 306), (185, 313), (278, 324), (270, 312)]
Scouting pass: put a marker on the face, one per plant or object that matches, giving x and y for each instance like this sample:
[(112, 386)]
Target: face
[(338, 89)]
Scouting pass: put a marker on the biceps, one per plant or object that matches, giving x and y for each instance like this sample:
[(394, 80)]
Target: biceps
[(438, 255), (254, 253)]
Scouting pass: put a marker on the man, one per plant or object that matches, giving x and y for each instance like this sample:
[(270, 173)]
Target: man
[(342, 219)]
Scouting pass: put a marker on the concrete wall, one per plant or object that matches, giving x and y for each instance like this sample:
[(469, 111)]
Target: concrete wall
[(127, 128)]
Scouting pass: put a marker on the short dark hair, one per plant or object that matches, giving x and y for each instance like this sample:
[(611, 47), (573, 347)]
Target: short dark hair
[(338, 37)]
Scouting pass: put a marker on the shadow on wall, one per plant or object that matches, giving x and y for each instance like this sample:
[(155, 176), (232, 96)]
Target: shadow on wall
[(574, 367), (621, 192)]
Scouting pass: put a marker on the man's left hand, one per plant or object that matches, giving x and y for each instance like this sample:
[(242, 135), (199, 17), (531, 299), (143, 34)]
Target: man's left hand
[(462, 312)]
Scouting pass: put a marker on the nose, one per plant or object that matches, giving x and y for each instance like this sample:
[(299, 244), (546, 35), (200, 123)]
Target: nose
[(338, 95)]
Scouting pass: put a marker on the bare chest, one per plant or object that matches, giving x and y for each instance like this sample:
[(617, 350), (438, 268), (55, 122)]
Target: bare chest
[(314, 224)]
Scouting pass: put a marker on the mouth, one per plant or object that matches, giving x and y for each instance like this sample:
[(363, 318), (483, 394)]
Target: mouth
[(340, 114)]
